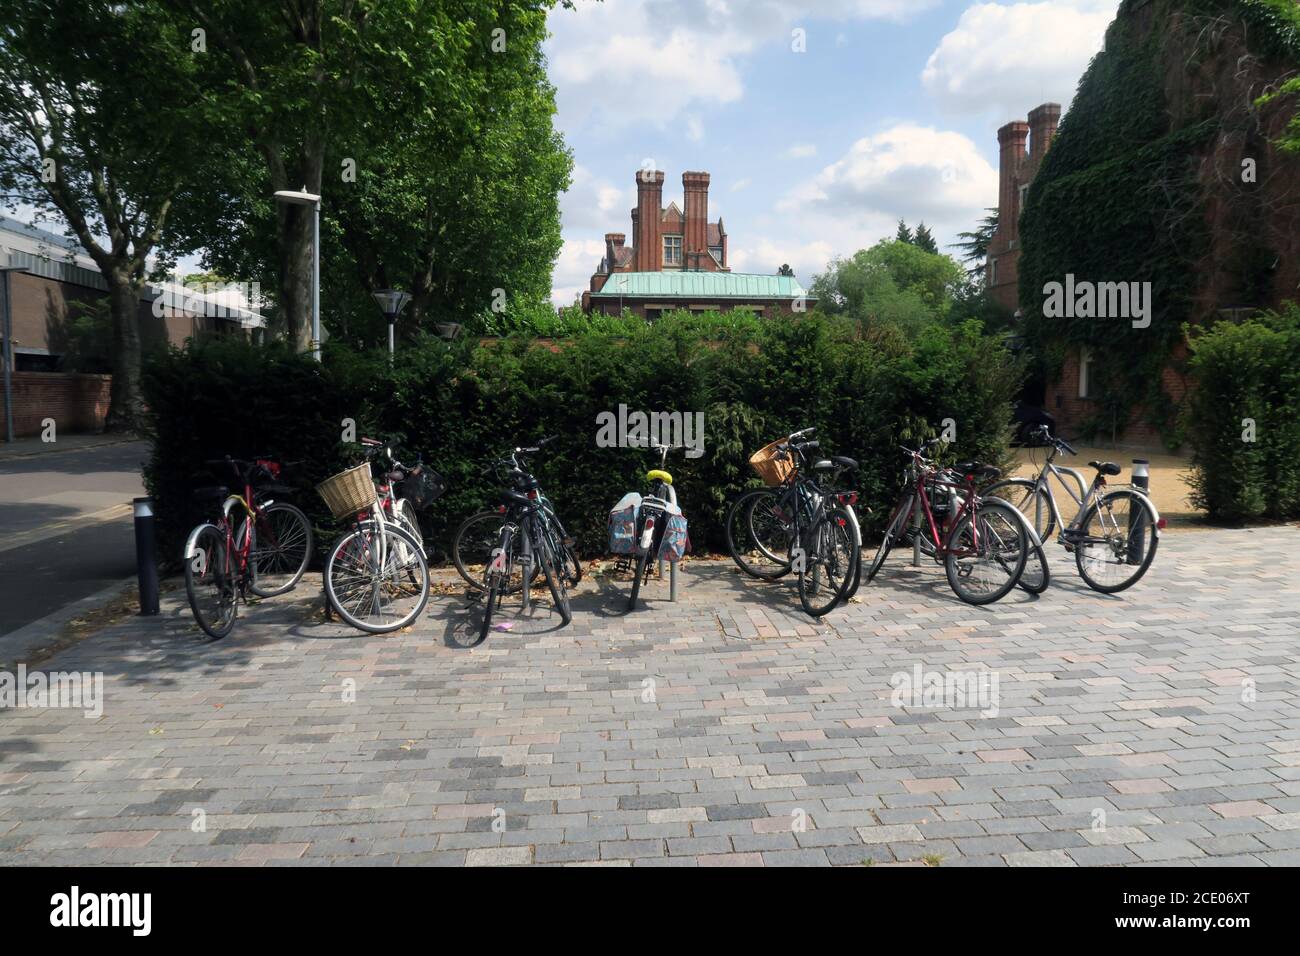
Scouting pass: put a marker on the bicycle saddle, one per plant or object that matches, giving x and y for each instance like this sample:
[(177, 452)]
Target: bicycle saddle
[(977, 469), (515, 498), (658, 474), (837, 461), (1105, 467)]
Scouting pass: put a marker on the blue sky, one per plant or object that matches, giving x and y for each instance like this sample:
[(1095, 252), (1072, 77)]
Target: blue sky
[(891, 109)]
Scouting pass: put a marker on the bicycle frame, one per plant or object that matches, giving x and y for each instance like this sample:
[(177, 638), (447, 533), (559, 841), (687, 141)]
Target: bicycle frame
[(923, 474)]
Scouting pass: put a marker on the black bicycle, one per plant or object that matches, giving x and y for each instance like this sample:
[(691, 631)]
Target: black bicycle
[(799, 524)]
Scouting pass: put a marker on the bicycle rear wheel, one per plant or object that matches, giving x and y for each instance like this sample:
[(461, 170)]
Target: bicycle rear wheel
[(1116, 541), (210, 581), (371, 585), (759, 534), (986, 557), (281, 549), (827, 573)]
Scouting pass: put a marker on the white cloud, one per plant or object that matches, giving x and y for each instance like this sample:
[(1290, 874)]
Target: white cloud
[(765, 255), (594, 203), (743, 183), (1008, 58), (802, 150), (573, 268), (633, 62)]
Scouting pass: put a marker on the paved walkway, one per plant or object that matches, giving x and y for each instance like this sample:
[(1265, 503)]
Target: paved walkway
[(1161, 726)]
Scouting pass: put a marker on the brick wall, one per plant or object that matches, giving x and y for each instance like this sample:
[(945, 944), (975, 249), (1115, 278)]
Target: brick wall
[(1071, 411), (77, 403)]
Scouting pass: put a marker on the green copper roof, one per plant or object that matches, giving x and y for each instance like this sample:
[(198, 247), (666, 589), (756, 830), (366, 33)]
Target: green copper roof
[(705, 285)]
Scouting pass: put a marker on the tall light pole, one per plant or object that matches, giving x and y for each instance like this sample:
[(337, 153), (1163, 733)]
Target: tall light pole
[(392, 301), (8, 357), (304, 198)]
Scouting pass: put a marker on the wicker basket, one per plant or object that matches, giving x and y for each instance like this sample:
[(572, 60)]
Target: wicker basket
[(774, 471), (349, 491)]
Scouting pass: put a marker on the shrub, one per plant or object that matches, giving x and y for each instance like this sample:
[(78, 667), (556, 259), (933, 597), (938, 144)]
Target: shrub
[(1244, 373), (466, 404)]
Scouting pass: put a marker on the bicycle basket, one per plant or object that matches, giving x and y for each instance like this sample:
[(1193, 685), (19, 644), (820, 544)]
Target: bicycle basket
[(349, 491), (772, 470), (422, 488)]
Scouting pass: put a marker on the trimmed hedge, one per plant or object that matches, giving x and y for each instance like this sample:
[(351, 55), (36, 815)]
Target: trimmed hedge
[(467, 404), (1244, 373)]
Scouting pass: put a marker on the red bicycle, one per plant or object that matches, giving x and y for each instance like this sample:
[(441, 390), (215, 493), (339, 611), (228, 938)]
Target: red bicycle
[(984, 546), (264, 555)]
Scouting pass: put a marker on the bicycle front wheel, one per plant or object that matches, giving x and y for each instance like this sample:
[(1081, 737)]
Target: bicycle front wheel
[(210, 581), (759, 534), (1030, 500), (281, 550), (986, 557), (376, 579), (827, 570), (555, 582), (1116, 541), (892, 534), (472, 545)]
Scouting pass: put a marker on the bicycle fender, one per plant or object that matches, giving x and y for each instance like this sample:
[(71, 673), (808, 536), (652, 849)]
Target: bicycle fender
[(190, 550), (1147, 498)]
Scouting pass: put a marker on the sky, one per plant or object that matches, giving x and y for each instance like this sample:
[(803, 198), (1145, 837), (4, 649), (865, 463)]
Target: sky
[(822, 122)]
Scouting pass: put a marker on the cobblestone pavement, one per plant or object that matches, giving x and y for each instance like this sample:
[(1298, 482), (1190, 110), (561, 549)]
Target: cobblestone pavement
[(1161, 726)]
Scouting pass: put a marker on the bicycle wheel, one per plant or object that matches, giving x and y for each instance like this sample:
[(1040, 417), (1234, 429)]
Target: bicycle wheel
[(498, 572), (986, 558), (643, 555), (759, 535), (1116, 541), (210, 581), (892, 534), (570, 565), (281, 549), (827, 571), (1037, 575), (472, 545), (1030, 500), (555, 581), (370, 586)]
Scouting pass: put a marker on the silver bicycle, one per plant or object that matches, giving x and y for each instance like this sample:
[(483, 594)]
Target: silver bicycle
[(1114, 533)]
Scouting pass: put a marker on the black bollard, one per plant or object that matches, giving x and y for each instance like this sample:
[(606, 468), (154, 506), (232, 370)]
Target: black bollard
[(1141, 480), (146, 556)]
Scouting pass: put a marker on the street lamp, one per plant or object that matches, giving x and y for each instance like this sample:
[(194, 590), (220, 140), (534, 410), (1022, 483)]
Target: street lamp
[(392, 301), (8, 357), (304, 198)]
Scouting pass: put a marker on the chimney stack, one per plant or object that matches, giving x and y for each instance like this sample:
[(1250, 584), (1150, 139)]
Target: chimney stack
[(647, 221), (1042, 127), (613, 246), (695, 238), (1011, 140)]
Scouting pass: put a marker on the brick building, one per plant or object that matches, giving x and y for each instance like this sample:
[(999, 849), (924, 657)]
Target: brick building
[(679, 260), (1017, 167)]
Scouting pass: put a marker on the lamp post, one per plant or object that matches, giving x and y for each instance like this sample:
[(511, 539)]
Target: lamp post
[(8, 357), (392, 301), (304, 198)]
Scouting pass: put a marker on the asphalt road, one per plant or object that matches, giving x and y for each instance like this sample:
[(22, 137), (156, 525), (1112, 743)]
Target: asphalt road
[(65, 527)]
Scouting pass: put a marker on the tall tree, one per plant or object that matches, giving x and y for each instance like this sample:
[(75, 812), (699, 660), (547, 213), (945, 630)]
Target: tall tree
[(95, 126), (975, 245), (904, 234), (924, 240)]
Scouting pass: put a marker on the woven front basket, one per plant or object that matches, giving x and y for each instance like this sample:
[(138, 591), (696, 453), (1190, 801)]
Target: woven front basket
[(772, 470), (349, 491)]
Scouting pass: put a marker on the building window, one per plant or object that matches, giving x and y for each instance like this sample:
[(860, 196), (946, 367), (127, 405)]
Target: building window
[(1085, 371), (993, 271), (1024, 191), (717, 253), (672, 250)]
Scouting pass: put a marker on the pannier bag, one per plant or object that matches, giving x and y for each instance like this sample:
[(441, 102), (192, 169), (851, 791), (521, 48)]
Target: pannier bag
[(421, 487), (622, 524), (676, 542)]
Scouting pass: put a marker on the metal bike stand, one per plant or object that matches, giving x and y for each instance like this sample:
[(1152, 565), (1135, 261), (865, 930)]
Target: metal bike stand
[(672, 578)]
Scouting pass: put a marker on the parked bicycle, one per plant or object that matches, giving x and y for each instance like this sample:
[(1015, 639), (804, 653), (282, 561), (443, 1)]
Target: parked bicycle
[(527, 537), (478, 536), (983, 544), (649, 528), (264, 555), (377, 574), (1113, 535), (799, 523), (404, 489)]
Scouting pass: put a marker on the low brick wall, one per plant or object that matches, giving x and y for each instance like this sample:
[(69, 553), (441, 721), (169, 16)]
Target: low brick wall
[(77, 403)]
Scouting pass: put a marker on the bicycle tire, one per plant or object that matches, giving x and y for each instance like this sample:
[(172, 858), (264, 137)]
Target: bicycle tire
[(303, 526), (463, 566), (1030, 500), (951, 567), (834, 523), (555, 582), (207, 569), (742, 510), (356, 542), (1152, 519)]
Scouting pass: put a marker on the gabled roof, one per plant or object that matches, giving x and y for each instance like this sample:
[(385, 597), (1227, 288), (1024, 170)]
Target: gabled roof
[(705, 285)]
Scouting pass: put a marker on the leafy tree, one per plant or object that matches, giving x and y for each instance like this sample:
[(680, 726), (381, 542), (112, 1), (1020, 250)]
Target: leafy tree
[(893, 283), (924, 241), (975, 245), (904, 234), (95, 128)]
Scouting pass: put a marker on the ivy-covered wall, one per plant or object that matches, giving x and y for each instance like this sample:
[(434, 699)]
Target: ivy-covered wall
[(1132, 191)]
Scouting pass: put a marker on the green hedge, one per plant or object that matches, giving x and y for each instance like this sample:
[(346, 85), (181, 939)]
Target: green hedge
[(1247, 371), (466, 404)]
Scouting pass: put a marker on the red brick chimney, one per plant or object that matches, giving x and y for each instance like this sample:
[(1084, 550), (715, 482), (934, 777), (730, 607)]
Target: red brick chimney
[(647, 222), (613, 246), (1011, 140), (695, 238), (1042, 127)]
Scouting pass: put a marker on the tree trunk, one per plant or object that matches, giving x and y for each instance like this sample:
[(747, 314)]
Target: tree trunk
[(125, 405), (295, 239)]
